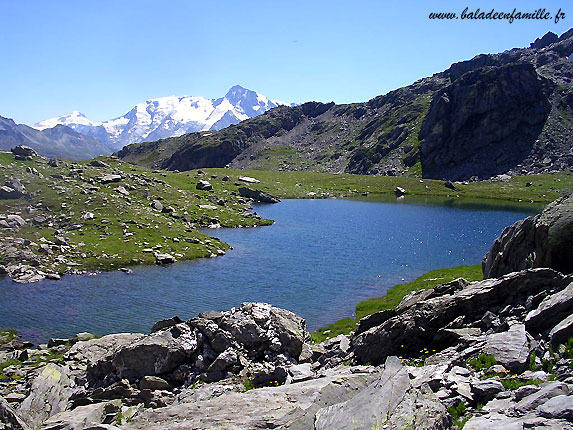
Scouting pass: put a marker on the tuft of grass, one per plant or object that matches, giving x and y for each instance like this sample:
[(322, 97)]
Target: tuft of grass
[(515, 383), (248, 385), (394, 296), (10, 362), (7, 336), (569, 348), (483, 362), (458, 410), (532, 358)]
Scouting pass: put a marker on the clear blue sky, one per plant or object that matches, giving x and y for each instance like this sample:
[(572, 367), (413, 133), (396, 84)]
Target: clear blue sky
[(102, 57)]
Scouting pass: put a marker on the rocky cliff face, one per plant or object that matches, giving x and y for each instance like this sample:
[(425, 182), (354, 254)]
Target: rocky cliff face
[(474, 121), (500, 113)]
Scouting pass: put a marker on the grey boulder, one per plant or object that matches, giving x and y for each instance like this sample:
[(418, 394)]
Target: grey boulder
[(204, 185), (160, 352), (544, 240)]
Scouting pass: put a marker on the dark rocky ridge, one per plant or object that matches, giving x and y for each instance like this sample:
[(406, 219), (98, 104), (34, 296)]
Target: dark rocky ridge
[(500, 113)]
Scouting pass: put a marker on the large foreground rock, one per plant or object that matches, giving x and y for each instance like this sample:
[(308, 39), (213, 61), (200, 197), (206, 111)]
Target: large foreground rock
[(257, 336), (156, 354), (545, 240), (551, 311), (345, 399), (84, 417), (94, 350), (421, 318), (389, 401), (510, 348), (50, 394), (9, 418)]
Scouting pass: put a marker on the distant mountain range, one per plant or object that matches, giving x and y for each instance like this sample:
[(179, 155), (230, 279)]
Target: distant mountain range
[(168, 117), (510, 112), (59, 141)]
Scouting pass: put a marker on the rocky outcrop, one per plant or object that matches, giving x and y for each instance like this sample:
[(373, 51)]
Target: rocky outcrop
[(547, 407), (424, 319), (258, 338), (194, 374), (544, 240), (257, 195)]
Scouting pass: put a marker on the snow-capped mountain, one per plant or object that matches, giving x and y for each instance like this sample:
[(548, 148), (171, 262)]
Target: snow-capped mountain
[(169, 116)]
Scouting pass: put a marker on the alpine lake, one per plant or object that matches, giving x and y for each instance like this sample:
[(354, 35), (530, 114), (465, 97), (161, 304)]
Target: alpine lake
[(319, 259)]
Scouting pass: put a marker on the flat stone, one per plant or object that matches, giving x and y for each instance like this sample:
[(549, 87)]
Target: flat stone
[(164, 259), (15, 397), (510, 348), (107, 179), (486, 390), (94, 350), (248, 180), (204, 185), (547, 391), (562, 331), (84, 417), (557, 407), (301, 372), (154, 383)]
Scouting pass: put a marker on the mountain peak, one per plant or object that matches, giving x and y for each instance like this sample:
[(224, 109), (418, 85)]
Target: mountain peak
[(74, 117), (237, 93)]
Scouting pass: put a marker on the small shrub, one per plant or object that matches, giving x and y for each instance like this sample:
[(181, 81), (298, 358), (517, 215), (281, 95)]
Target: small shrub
[(461, 422), (457, 412)]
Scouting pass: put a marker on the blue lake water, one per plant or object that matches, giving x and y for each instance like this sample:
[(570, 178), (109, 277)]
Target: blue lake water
[(319, 259)]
